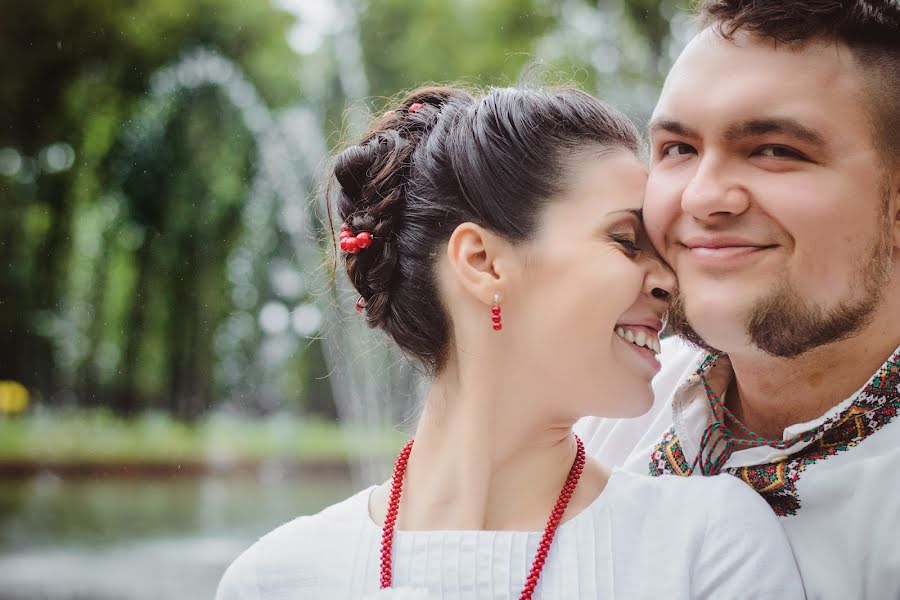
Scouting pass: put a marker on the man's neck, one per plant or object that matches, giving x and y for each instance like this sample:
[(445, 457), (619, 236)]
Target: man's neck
[(769, 394)]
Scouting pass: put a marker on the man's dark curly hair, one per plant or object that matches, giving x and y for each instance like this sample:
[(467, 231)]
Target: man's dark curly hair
[(869, 28)]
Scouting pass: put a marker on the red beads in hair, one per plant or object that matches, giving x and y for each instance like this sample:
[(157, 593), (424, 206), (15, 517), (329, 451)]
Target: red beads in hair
[(352, 244)]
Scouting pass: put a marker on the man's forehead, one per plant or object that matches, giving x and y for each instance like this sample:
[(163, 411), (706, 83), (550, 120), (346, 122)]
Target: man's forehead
[(745, 79), (743, 45)]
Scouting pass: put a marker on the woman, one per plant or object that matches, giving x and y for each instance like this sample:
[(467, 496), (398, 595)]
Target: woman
[(498, 241)]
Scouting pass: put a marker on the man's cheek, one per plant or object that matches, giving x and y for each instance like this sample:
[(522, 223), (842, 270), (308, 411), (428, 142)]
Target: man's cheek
[(658, 218)]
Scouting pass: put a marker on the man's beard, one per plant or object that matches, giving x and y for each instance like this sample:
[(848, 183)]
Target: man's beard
[(785, 324)]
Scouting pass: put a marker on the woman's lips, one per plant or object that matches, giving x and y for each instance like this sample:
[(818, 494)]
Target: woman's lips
[(645, 356)]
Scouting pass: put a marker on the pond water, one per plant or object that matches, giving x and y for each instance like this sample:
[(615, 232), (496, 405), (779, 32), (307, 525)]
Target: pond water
[(137, 538)]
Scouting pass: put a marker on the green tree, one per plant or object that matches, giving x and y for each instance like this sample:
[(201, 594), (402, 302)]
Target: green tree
[(76, 74)]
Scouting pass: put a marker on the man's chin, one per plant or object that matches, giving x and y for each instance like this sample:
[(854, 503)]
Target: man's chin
[(693, 337), (680, 318)]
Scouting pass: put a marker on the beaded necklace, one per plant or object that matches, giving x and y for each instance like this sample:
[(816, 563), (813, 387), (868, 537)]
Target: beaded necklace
[(390, 519)]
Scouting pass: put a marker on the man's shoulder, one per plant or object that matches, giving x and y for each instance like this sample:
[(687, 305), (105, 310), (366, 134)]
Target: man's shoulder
[(715, 497)]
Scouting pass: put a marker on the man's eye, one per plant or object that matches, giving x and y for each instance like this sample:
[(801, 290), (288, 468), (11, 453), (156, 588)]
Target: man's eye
[(778, 152), (675, 150)]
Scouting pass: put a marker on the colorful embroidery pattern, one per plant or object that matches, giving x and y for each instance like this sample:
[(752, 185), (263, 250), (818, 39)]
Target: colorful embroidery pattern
[(876, 406), (668, 458)]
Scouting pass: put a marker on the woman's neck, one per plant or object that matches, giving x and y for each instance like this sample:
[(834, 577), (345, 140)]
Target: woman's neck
[(488, 456)]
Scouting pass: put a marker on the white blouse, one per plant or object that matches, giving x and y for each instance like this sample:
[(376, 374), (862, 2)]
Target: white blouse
[(643, 537)]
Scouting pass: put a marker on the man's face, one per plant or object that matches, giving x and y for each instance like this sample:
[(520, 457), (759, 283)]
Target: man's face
[(767, 196)]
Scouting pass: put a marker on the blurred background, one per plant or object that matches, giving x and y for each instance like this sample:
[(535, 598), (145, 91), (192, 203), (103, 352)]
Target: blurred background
[(179, 373)]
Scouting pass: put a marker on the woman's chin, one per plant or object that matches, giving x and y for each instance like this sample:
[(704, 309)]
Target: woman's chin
[(625, 402)]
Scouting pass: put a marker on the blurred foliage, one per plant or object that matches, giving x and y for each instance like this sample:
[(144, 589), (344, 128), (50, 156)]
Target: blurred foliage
[(98, 437), (129, 247), (122, 212), (439, 41)]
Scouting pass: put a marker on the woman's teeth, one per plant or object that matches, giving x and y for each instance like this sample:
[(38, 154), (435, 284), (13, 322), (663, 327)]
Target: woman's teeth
[(641, 338)]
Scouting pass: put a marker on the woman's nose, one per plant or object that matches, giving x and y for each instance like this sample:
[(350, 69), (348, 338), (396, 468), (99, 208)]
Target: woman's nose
[(660, 282)]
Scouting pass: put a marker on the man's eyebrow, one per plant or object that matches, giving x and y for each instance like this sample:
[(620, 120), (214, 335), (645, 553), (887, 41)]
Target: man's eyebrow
[(745, 129), (784, 126), (672, 126)]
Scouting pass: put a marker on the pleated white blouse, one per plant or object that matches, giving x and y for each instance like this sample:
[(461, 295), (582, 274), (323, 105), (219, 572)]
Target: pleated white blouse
[(643, 537)]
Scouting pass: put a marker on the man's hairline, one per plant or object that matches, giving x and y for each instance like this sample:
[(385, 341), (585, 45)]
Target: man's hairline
[(868, 91)]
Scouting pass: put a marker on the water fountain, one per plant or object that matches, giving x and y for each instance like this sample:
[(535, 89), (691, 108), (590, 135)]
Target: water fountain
[(283, 197)]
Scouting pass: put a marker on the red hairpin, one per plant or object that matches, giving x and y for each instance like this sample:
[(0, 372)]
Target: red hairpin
[(354, 243), (415, 106)]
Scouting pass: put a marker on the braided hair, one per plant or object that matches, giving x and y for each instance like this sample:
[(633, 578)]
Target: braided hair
[(445, 157)]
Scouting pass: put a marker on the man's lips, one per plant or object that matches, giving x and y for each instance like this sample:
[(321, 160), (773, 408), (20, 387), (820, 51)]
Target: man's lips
[(721, 243), (724, 252), (716, 249)]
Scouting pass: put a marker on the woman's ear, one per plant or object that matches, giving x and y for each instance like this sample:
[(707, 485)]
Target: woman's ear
[(482, 261)]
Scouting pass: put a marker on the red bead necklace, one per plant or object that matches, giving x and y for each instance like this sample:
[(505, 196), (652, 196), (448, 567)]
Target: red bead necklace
[(387, 534)]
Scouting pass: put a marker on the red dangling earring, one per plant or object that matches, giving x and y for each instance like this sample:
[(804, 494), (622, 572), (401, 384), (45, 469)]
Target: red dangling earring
[(495, 313)]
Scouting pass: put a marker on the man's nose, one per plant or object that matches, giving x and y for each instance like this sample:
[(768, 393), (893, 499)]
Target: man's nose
[(713, 192)]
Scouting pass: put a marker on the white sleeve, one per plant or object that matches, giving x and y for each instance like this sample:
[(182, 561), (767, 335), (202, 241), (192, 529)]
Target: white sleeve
[(745, 553), (240, 579)]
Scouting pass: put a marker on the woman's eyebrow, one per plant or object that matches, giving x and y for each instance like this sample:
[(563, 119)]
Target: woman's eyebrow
[(636, 212)]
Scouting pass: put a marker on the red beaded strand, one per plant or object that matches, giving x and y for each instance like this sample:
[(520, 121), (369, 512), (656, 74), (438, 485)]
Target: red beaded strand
[(387, 532), (553, 522), (390, 519)]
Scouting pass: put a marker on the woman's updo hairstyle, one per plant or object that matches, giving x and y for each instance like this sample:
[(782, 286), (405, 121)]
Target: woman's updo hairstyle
[(493, 160)]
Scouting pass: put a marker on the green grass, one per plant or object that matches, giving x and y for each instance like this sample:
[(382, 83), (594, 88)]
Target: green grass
[(96, 436)]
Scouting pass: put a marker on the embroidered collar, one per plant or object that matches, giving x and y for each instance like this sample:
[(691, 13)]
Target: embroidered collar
[(771, 472), (719, 375)]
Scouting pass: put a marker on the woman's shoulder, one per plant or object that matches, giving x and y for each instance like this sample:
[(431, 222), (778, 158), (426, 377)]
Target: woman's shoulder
[(301, 533), (298, 547)]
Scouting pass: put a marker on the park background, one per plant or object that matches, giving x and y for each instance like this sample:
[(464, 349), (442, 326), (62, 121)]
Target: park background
[(178, 372)]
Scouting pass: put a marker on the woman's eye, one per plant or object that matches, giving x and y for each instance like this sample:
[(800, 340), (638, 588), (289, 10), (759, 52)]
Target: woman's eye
[(676, 150), (629, 245), (778, 152)]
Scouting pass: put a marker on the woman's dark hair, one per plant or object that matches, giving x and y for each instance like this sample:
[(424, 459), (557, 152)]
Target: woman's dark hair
[(494, 160)]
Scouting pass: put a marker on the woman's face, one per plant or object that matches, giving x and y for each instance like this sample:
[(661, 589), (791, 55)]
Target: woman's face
[(587, 320)]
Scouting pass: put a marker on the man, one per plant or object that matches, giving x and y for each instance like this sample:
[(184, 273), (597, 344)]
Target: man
[(774, 193)]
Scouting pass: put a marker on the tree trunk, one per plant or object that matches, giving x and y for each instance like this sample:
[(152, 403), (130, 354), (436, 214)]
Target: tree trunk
[(127, 397)]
